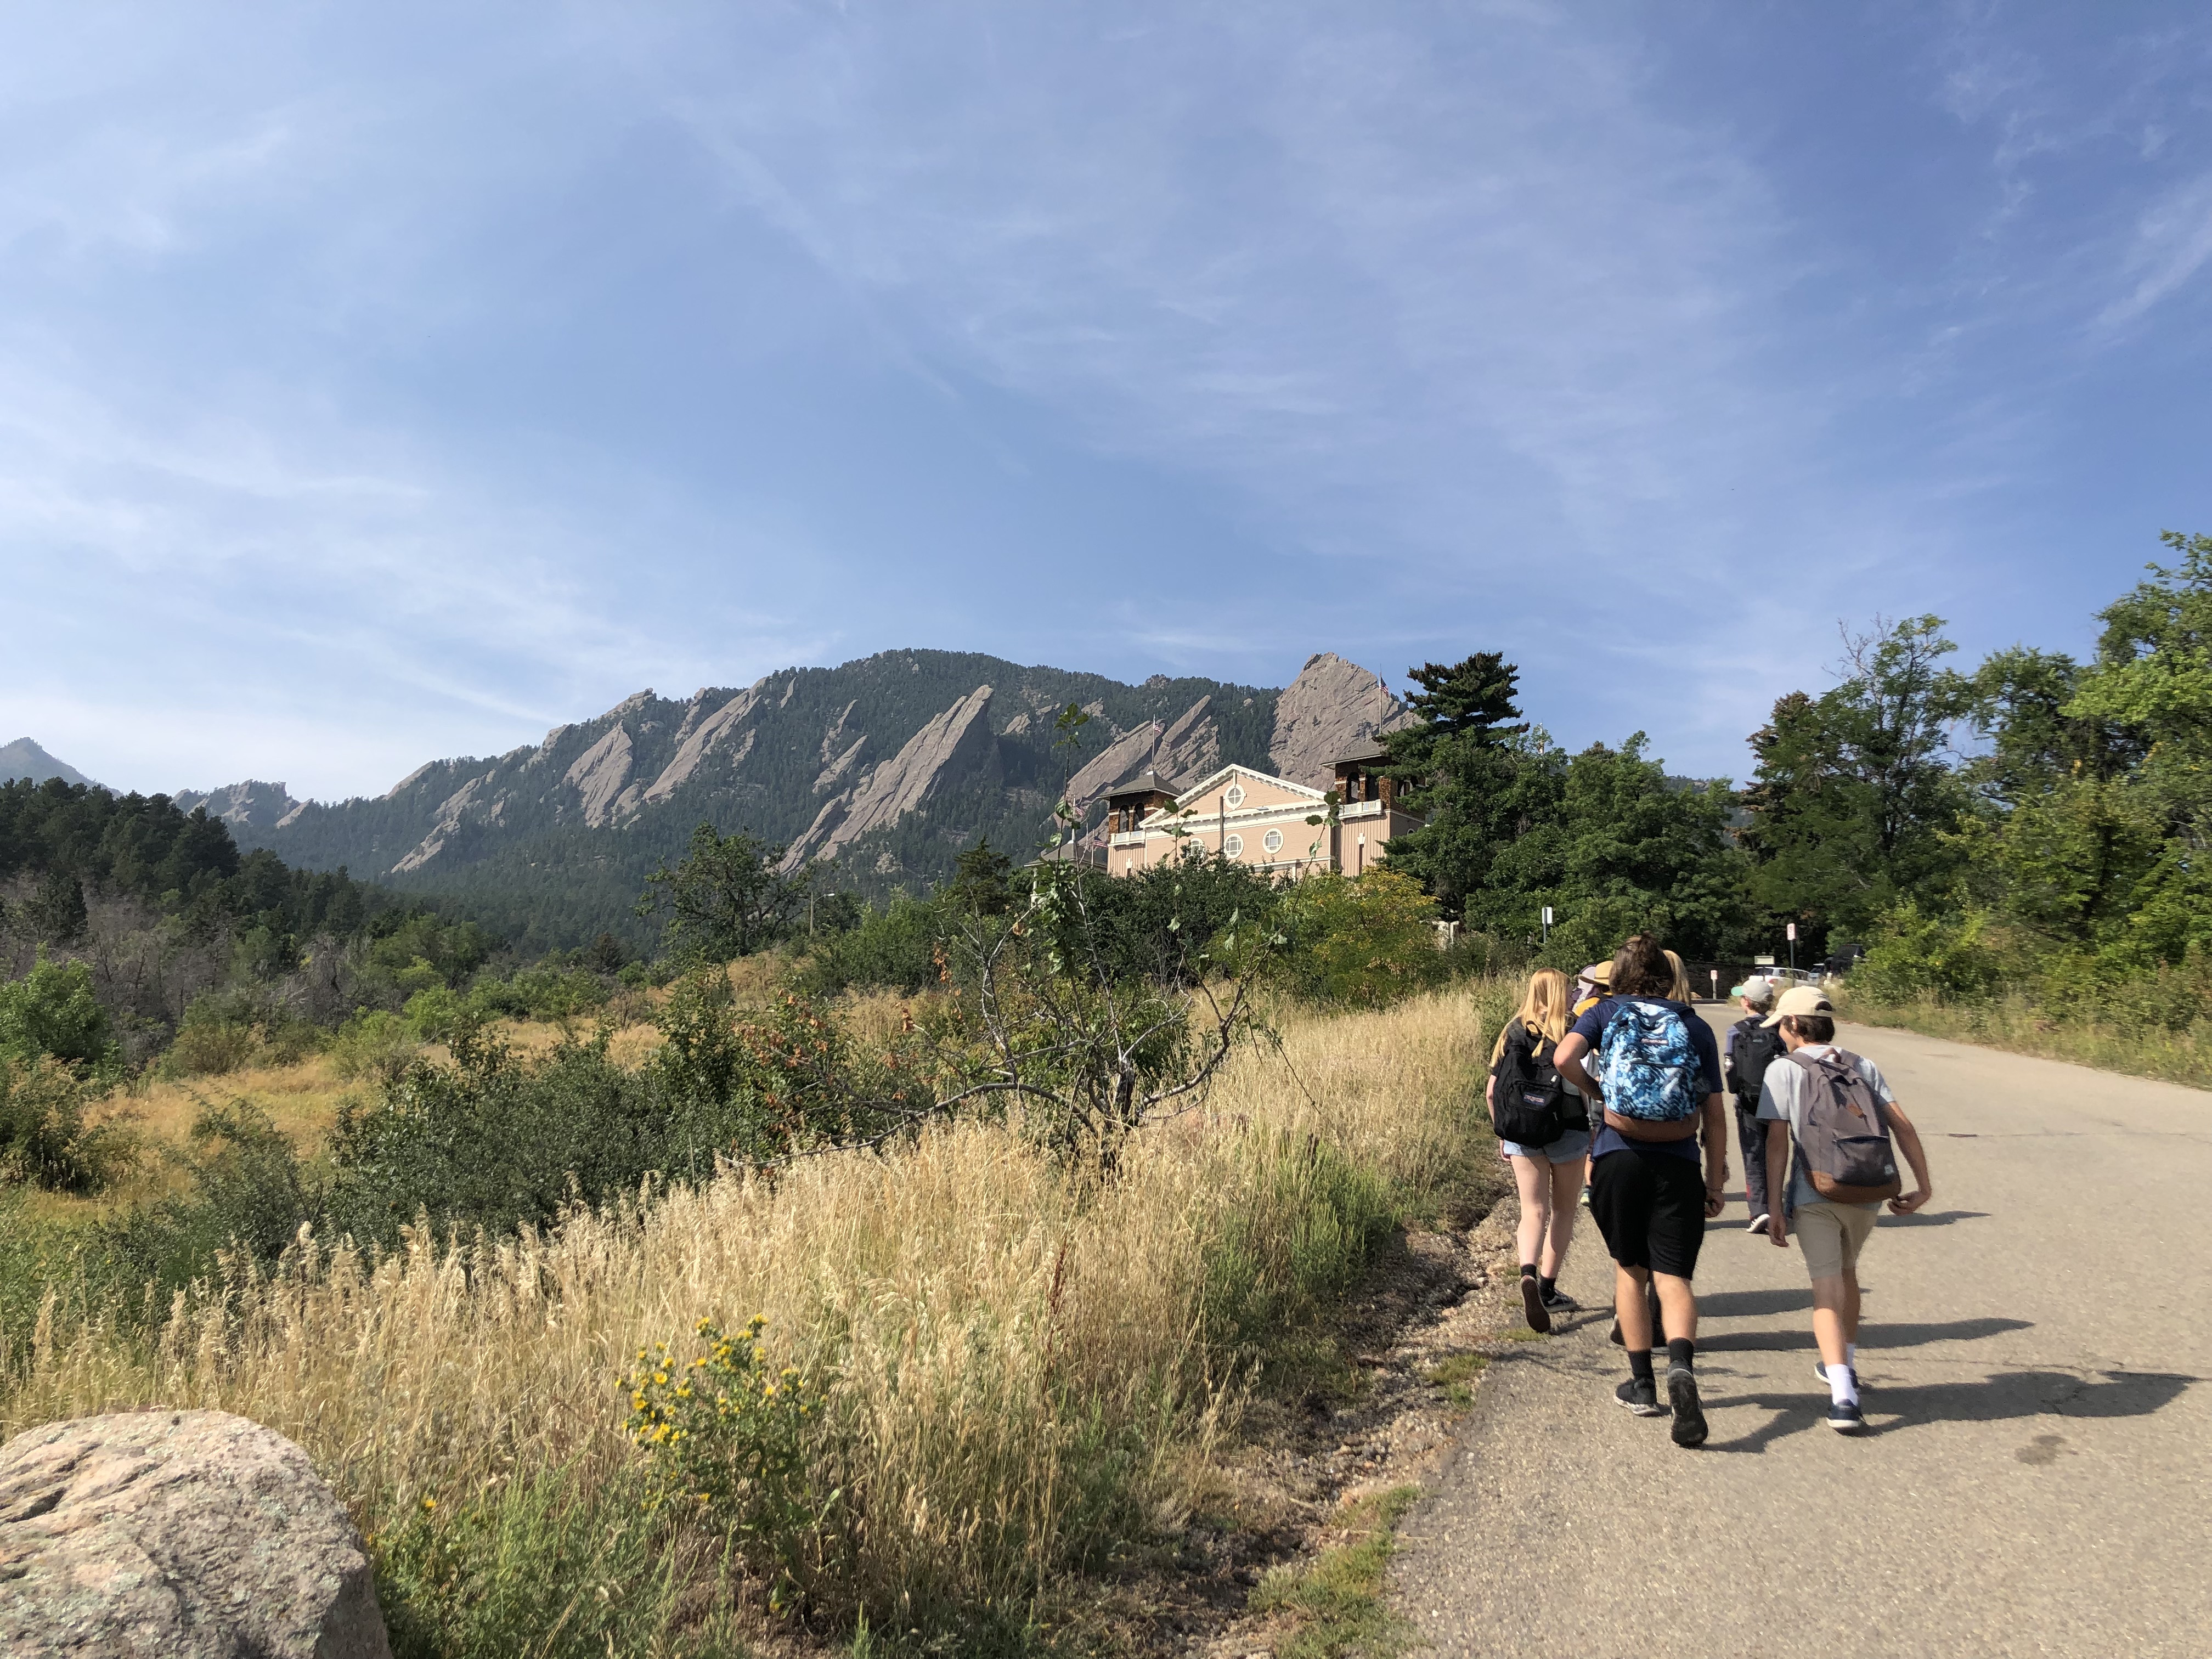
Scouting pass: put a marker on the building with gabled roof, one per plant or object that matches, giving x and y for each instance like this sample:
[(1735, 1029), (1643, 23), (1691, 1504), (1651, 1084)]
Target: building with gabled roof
[(1254, 818)]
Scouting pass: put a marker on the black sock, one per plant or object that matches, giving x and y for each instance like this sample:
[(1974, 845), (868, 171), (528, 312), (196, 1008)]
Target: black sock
[(1547, 1285), (1528, 1270), (1639, 1364), (1681, 1354)]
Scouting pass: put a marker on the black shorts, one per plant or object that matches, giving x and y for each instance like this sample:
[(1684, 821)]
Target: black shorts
[(1651, 1205)]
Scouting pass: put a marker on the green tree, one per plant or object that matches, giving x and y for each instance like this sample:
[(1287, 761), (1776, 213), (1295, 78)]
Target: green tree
[(1855, 800), (726, 898), (1469, 773)]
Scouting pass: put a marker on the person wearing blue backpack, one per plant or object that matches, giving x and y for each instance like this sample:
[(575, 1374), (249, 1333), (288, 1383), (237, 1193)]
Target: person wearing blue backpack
[(1658, 1080)]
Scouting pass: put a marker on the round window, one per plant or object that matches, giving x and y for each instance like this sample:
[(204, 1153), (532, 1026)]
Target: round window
[(1234, 846), (1235, 797), (1272, 841)]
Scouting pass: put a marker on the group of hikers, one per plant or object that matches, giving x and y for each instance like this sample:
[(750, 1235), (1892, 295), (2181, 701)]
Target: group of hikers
[(1618, 1070)]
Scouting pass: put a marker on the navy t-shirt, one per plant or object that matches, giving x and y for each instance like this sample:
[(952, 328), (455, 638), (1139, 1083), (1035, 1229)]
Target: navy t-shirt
[(1591, 1028)]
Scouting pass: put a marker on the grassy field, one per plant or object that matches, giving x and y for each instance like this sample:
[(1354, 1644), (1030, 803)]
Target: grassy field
[(1016, 1375), (2014, 1024)]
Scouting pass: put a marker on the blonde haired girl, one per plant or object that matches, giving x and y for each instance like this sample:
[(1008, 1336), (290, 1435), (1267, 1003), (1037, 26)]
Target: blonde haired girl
[(1547, 1173)]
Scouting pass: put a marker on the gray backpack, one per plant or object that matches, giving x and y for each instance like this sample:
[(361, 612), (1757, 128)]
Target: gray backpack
[(1843, 1135)]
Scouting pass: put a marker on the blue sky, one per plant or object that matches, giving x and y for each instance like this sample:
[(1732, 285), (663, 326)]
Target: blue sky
[(379, 383)]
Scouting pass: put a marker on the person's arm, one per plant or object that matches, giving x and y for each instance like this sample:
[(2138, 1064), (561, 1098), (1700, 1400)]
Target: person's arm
[(1715, 1140), (1568, 1059), (1908, 1142), (1778, 1180)]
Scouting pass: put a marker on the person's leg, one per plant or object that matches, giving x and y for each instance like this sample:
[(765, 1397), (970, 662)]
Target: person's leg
[(1566, 1183), (1532, 1180), (1678, 1233), (1532, 1177), (1629, 1307), (1831, 1294), (1751, 1138)]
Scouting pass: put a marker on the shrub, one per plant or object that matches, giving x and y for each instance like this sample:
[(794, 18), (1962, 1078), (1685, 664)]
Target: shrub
[(374, 1043), (51, 1011), (1912, 954), (44, 1139), (245, 1190), (1360, 942)]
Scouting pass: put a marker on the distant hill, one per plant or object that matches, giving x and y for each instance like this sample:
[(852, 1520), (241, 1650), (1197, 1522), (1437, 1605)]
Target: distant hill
[(24, 759), (890, 766)]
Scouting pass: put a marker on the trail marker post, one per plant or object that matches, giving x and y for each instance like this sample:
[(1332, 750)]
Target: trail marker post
[(1792, 949), (1547, 924)]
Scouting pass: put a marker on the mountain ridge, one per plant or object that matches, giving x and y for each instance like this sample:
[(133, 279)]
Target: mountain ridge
[(890, 765), (24, 758)]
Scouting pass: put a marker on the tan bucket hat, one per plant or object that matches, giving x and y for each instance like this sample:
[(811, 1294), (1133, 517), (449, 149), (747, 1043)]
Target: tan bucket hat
[(1799, 999)]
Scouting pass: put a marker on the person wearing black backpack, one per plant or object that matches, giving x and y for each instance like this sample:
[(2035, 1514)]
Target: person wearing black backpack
[(1543, 1129), (1752, 1046), (1834, 1170)]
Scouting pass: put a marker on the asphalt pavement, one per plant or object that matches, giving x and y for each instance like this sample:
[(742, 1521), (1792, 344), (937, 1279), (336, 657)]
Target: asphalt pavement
[(2036, 1474)]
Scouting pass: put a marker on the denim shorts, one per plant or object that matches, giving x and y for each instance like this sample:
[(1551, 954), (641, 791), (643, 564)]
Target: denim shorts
[(1572, 1145)]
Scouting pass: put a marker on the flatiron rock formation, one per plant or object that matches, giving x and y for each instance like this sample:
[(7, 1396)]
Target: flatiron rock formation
[(1333, 707), (252, 805), (880, 772)]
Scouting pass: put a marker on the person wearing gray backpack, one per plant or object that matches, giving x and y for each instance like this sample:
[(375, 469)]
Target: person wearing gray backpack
[(1834, 1170)]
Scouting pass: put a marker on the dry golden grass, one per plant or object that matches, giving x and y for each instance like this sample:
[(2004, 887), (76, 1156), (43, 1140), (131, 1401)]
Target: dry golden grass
[(988, 1326)]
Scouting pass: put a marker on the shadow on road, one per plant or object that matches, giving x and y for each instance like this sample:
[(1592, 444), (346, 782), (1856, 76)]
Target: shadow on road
[(2006, 1395), (1939, 1219), (1872, 1338), (1752, 1304)]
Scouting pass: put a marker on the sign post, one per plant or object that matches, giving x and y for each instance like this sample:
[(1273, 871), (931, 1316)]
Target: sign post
[(1716, 973), (1547, 924), (1792, 949)]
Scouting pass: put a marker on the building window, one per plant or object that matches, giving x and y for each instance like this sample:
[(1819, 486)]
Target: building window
[(1234, 846), (1272, 841), (1235, 797)]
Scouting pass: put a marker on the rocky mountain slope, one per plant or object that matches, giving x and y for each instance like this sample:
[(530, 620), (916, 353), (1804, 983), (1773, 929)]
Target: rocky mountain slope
[(890, 766)]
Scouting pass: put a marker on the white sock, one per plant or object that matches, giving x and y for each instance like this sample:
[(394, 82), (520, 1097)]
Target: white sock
[(1843, 1385)]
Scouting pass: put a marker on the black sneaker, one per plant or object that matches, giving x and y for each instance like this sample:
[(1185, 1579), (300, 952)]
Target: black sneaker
[(1844, 1416), (1560, 1303), (1532, 1305), (1689, 1411), (1758, 1222), (1641, 1396), (1614, 1335)]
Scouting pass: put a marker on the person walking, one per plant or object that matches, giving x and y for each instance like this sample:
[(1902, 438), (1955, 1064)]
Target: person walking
[(1752, 1044), (1659, 1083), (1841, 1117), (1543, 1129)]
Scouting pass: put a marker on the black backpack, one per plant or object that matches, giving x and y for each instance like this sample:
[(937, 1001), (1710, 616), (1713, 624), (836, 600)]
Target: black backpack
[(1756, 1047), (1530, 1104)]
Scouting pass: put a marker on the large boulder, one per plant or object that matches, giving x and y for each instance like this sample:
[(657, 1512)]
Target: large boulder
[(186, 1534)]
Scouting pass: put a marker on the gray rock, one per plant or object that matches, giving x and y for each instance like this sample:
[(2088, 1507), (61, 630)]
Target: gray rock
[(956, 744), (182, 1534), (1332, 707)]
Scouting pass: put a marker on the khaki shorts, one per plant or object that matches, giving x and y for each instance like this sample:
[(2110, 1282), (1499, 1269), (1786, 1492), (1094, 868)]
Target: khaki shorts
[(1831, 1236)]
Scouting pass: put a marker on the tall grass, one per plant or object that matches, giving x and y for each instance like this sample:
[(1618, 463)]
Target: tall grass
[(2142, 1048), (1023, 1368)]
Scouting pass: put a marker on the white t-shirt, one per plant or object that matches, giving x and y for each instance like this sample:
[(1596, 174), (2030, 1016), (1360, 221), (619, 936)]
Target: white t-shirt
[(1782, 1100)]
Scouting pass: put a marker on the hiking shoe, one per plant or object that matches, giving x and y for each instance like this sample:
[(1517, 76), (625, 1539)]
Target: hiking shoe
[(1689, 1410), (1560, 1303), (1845, 1416), (1758, 1222), (1640, 1395), (1532, 1305), (1586, 1194)]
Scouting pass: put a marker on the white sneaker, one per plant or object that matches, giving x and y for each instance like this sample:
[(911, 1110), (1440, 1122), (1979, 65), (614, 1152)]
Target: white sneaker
[(1758, 1222)]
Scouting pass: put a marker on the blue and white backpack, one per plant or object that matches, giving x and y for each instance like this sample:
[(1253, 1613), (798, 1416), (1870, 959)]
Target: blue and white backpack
[(1646, 1064)]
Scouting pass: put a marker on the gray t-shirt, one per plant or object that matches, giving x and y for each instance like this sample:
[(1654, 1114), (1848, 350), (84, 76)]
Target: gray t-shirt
[(1782, 1099)]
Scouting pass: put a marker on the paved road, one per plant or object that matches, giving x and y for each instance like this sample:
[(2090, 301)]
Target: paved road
[(2036, 1474)]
